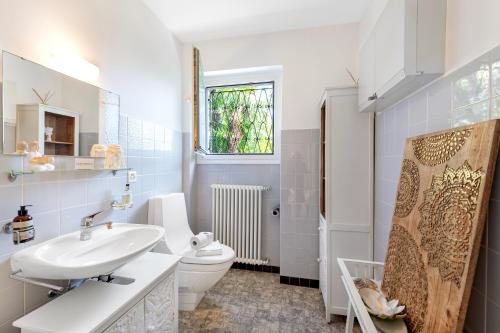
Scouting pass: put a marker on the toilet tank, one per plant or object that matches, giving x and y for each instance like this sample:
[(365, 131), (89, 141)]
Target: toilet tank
[(169, 212)]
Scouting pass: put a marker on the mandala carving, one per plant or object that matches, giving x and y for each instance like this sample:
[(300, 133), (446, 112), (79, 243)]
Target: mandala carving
[(409, 185), (446, 217), (437, 149), (405, 277)]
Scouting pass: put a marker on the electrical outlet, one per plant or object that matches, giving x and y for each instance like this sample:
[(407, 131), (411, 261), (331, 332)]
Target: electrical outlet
[(131, 176)]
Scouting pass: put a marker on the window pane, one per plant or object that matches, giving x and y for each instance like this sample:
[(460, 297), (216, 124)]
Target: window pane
[(241, 119)]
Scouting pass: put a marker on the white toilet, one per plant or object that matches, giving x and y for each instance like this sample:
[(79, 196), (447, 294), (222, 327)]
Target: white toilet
[(196, 274)]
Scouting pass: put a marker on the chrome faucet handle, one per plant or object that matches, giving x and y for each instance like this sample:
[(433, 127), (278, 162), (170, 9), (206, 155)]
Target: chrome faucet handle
[(87, 220)]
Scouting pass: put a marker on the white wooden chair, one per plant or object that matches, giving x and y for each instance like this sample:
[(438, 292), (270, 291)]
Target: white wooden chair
[(351, 269)]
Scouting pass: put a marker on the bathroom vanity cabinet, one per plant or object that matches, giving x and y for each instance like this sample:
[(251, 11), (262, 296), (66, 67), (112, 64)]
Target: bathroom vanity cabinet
[(345, 226), (147, 305), (157, 312)]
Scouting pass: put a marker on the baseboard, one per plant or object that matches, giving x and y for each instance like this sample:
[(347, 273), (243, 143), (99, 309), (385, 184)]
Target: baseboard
[(301, 282), (256, 268)]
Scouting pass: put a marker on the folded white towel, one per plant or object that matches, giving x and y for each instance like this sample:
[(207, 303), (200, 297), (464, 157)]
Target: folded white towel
[(201, 240), (214, 249)]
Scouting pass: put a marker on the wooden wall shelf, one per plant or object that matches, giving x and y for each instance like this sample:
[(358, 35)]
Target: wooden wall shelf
[(34, 118)]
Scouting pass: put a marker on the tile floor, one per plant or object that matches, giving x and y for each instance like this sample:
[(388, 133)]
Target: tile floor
[(246, 301)]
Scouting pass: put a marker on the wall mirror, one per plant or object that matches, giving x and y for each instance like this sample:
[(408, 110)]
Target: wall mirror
[(64, 115)]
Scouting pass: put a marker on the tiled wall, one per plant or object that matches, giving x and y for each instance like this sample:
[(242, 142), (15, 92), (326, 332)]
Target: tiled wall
[(466, 96), (241, 174), (299, 203), (61, 199)]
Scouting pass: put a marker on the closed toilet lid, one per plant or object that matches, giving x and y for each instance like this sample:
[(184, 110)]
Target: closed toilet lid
[(189, 257)]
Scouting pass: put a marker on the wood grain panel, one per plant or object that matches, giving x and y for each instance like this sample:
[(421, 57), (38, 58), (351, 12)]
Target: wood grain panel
[(441, 206)]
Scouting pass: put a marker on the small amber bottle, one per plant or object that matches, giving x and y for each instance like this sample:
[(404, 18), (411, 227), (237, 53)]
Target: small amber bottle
[(22, 226)]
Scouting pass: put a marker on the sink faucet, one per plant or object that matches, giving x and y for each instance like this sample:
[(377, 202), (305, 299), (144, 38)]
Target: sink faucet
[(88, 225)]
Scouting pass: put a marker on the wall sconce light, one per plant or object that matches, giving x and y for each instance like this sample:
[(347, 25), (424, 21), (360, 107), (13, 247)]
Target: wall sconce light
[(68, 62)]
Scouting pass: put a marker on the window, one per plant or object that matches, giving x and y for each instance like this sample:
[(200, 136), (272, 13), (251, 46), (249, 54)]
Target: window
[(239, 119), (236, 114)]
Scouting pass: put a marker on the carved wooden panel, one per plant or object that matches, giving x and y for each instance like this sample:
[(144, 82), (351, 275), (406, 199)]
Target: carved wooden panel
[(132, 321), (160, 307), (438, 222)]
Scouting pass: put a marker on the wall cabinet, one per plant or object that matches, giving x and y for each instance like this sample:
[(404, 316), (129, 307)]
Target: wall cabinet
[(155, 313), (345, 226), (404, 51)]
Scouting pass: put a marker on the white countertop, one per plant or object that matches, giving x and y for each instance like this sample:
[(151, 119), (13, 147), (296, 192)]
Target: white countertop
[(95, 305)]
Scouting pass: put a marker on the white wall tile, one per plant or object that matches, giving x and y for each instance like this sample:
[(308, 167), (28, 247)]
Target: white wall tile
[(11, 198), (43, 196), (418, 108), (74, 193), (475, 321), (98, 190), (492, 317), (47, 226), (15, 297)]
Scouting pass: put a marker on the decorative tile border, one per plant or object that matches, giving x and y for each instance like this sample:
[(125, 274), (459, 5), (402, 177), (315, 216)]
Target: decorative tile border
[(256, 268), (295, 281)]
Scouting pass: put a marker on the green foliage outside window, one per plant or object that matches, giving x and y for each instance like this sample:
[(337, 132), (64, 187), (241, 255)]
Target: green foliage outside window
[(241, 119)]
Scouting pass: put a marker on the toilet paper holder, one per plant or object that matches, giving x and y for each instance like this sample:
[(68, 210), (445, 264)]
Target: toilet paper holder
[(276, 211)]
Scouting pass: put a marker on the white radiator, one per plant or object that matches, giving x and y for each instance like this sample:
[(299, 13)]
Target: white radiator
[(237, 220)]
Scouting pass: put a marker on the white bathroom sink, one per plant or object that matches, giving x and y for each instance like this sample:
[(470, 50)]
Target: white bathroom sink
[(67, 257)]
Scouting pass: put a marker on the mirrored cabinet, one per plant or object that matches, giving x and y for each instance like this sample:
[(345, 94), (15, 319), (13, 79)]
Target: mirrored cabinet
[(56, 122)]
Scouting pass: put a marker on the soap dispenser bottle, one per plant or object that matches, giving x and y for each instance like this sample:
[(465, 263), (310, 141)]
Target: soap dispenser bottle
[(22, 226), (127, 196)]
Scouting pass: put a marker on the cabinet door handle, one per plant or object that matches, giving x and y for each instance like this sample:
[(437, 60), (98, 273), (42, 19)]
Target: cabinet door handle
[(318, 259), (372, 97)]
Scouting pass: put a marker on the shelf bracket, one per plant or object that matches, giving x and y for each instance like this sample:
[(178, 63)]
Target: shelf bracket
[(17, 276), (13, 174), (115, 171)]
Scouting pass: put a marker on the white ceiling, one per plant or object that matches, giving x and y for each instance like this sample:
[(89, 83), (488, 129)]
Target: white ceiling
[(194, 20)]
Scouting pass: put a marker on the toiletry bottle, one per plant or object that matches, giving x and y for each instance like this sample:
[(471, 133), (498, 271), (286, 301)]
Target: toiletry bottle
[(22, 226), (127, 196)]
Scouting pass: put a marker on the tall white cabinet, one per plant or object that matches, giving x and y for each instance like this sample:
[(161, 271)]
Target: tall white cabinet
[(346, 190)]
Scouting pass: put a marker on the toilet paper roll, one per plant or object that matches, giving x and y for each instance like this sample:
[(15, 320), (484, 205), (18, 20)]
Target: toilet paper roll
[(209, 234), (199, 241)]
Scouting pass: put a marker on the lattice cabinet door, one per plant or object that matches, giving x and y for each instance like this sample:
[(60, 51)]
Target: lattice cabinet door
[(161, 309), (132, 321)]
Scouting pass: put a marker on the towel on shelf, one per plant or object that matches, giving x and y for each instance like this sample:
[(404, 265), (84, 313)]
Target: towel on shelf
[(201, 240), (214, 249)]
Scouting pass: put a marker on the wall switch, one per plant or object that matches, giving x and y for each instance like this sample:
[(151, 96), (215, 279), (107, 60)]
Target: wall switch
[(131, 176)]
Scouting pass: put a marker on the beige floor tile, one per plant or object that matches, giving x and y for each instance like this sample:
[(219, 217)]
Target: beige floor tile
[(255, 302)]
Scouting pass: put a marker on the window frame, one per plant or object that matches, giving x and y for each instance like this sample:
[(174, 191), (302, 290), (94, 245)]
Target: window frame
[(239, 77)]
